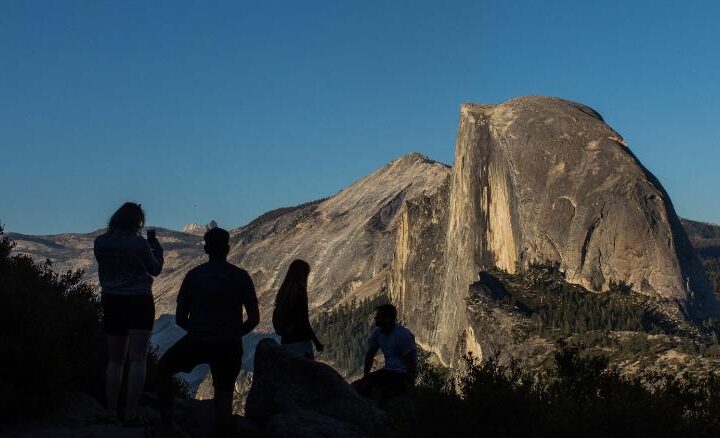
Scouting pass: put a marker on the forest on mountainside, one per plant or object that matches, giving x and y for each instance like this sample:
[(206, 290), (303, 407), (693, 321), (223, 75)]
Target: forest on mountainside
[(712, 267), (346, 330)]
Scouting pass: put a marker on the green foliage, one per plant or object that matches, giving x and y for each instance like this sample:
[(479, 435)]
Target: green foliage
[(557, 307), (712, 267), (544, 274), (578, 396), (345, 331), (620, 287), (573, 311), (51, 339)]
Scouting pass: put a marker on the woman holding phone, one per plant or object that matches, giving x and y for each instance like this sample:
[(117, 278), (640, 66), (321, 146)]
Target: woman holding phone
[(127, 264)]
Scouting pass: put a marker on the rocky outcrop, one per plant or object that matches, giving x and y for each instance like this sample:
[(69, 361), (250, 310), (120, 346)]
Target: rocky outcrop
[(540, 179), (296, 397)]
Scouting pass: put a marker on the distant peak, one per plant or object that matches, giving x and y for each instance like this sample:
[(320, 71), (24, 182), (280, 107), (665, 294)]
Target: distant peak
[(195, 228), (412, 158)]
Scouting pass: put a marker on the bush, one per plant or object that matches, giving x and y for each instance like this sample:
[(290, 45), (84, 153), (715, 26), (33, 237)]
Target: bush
[(51, 339), (579, 396)]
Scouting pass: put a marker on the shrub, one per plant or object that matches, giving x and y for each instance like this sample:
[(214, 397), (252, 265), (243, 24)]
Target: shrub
[(579, 396), (51, 339)]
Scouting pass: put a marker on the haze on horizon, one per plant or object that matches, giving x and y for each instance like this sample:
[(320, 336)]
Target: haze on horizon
[(229, 110)]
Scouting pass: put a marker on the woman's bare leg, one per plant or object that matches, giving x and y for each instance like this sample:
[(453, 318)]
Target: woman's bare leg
[(117, 350), (139, 341)]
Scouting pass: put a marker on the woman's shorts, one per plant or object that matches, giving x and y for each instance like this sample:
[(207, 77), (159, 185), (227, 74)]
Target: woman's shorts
[(127, 312)]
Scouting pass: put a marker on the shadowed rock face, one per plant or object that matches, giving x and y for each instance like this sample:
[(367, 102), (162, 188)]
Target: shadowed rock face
[(541, 179)]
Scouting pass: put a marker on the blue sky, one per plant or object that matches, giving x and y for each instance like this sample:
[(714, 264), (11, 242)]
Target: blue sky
[(224, 110)]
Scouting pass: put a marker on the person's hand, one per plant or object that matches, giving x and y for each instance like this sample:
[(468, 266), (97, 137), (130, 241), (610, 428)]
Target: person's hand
[(152, 237), (154, 242)]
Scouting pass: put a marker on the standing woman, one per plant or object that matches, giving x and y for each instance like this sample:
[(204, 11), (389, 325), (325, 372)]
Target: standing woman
[(127, 264), (290, 317)]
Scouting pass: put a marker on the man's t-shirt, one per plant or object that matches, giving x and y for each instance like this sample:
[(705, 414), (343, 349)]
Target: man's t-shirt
[(395, 346), (214, 294)]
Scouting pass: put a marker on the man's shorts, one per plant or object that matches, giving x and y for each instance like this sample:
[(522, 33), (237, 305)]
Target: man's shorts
[(382, 384), (127, 312)]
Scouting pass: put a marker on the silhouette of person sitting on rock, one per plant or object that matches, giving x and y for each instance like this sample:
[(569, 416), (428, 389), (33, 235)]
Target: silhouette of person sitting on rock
[(290, 316), (210, 307), (398, 347)]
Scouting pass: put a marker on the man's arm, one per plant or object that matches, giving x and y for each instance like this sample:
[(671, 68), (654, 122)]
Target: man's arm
[(251, 307), (373, 347), (411, 362), (369, 359), (408, 350), (182, 311)]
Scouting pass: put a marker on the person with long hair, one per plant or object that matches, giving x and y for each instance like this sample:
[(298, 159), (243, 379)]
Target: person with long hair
[(290, 316), (127, 264)]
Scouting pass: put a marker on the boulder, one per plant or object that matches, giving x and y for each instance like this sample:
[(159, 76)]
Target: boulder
[(293, 396)]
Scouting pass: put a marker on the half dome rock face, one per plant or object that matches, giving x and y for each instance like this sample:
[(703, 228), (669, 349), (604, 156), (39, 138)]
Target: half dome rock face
[(540, 179)]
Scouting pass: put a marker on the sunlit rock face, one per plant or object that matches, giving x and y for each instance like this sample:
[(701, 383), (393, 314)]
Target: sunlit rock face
[(418, 263), (540, 179), (348, 238)]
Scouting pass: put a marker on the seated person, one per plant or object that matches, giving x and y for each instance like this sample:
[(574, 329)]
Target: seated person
[(398, 346)]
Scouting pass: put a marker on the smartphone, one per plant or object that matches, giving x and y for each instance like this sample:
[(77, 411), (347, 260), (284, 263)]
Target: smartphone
[(151, 234)]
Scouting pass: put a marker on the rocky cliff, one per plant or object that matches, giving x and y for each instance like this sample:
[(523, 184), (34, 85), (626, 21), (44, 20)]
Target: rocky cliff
[(540, 179)]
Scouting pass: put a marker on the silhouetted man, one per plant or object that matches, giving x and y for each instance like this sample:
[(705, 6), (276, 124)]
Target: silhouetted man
[(209, 307), (398, 346)]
